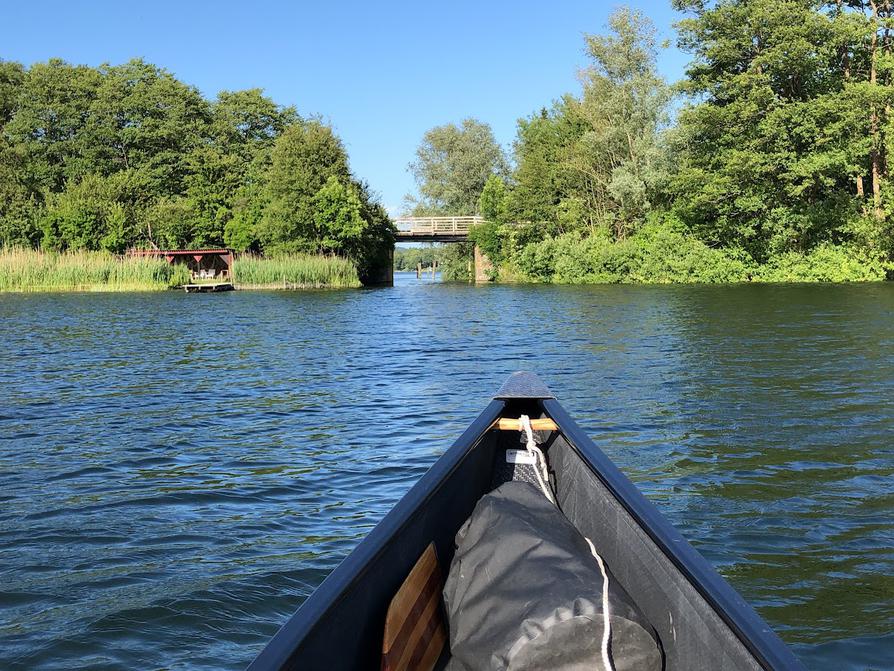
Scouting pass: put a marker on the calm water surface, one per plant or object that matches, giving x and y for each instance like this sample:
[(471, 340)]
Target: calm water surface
[(177, 473)]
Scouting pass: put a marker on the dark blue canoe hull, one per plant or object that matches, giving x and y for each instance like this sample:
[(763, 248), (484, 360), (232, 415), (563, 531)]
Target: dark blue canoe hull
[(703, 623)]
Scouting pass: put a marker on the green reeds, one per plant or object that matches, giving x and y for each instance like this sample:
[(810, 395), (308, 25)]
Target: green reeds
[(294, 271), (31, 270)]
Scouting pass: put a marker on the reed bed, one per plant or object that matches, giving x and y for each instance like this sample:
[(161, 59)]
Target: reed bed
[(28, 270), (294, 271)]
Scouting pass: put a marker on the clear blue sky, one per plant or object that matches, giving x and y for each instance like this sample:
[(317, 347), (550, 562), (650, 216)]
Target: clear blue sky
[(380, 73)]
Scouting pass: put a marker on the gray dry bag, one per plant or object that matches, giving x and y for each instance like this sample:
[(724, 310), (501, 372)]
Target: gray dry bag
[(524, 592)]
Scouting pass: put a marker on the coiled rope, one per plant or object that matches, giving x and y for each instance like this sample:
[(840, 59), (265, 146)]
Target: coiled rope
[(543, 478)]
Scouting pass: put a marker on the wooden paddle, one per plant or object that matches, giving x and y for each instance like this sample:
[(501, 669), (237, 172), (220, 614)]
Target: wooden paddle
[(414, 625)]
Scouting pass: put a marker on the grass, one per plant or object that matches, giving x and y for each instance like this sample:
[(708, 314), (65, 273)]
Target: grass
[(29, 270), (294, 271)]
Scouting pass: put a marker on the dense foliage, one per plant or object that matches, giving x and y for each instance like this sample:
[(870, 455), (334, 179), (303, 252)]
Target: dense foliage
[(452, 165), (768, 162), (120, 156)]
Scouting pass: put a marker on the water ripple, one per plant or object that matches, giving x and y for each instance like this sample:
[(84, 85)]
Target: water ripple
[(178, 473)]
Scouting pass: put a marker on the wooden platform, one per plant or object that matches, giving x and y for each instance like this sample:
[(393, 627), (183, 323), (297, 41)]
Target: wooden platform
[(209, 287)]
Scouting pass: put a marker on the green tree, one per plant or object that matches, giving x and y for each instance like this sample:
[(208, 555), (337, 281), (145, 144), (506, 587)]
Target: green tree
[(788, 129), (20, 198), (12, 79), (407, 258), (169, 222), (47, 128), (212, 179), (87, 215), (20, 205), (541, 179), (143, 118), (230, 191), (122, 155), (246, 122), (493, 205), (338, 218), (249, 201), (494, 202), (376, 245), (304, 157), (452, 166), (623, 108), (597, 161)]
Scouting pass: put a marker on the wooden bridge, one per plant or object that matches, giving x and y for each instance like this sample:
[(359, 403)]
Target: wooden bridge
[(435, 229)]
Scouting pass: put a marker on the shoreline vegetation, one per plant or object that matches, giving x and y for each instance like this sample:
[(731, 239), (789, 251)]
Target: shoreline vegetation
[(766, 162), (406, 259), (33, 271), (665, 254), (294, 271), (117, 157)]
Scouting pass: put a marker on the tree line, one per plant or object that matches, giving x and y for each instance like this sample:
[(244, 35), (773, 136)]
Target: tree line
[(768, 161), (408, 258), (127, 155)]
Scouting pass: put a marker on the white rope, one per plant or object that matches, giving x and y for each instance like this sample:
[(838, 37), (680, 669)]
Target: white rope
[(543, 479), (540, 460), (606, 622)]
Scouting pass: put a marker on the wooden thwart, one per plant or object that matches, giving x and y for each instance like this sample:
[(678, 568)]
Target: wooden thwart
[(509, 424), (414, 625)]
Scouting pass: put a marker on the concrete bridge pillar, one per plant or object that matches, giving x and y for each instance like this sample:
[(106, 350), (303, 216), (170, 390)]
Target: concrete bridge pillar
[(382, 272), (483, 267)]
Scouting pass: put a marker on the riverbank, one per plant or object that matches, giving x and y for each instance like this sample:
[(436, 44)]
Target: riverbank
[(663, 255), (294, 271), (26, 270)]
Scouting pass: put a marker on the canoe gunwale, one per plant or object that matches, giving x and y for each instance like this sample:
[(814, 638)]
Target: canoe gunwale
[(278, 652), (284, 650), (757, 637)]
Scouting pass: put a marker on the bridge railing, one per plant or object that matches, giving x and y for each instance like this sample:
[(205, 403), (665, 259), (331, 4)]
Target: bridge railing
[(436, 225)]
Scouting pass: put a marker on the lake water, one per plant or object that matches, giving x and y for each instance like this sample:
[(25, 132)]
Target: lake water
[(178, 472)]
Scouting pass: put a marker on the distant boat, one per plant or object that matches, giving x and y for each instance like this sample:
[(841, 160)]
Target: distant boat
[(701, 622)]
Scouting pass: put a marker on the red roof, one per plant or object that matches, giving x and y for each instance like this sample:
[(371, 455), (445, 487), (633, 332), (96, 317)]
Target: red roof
[(177, 252)]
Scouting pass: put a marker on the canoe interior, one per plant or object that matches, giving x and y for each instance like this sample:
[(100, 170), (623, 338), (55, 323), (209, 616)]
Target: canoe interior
[(702, 622)]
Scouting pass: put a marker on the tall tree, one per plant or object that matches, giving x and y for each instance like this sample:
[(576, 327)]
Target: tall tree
[(594, 162), (245, 122), (47, 128), (20, 197), (304, 157), (791, 109), (87, 215), (452, 165), (623, 107), (12, 78), (542, 181), (338, 217), (122, 155), (143, 118), (227, 174)]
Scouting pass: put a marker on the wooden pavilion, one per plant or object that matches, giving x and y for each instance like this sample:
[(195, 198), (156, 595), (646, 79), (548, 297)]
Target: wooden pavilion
[(202, 263)]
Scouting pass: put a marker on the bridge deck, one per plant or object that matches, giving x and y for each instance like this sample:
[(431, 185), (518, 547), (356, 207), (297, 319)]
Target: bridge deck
[(435, 229)]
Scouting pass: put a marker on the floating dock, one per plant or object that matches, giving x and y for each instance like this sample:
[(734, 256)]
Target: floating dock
[(208, 287)]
